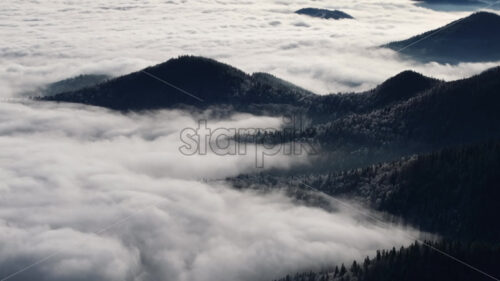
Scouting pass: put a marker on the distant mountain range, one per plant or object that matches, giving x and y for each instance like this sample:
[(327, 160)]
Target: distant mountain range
[(324, 13), (457, 187), (453, 193), (425, 151), (441, 114), (471, 39), (71, 84), (408, 110), (206, 81), (457, 2), (416, 262)]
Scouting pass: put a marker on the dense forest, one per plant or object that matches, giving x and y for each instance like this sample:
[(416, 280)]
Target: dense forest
[(324, 13), (418, 262), (407, 114), (453, 192), (470, 39), (208, 83), (422, 151)]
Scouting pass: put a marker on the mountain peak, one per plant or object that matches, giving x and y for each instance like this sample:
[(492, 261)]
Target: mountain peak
[(186, 80), (483, 14), (324, 13), (400, 87), (197, 65), (471, 39)]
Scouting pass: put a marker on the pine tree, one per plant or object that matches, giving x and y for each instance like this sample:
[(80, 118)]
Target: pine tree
[(343, 270)]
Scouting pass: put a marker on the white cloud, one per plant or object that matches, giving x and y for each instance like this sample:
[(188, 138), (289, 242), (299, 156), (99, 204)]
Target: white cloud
[(112, 196), (57, 39), (68, 171)]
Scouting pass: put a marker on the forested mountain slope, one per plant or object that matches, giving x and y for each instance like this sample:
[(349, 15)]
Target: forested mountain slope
[(471, 39), (187, 80), (415, 263), (453, 192), (324, 13), (455, 112), (409, 113)]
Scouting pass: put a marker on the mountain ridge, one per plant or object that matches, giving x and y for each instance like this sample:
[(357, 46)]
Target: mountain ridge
[(408, 113), (470, 39), (212, 82), (324, 13), (208, 81)]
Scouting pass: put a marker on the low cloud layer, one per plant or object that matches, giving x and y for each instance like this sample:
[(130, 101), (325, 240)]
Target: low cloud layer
[(51, 40), (108, 196)]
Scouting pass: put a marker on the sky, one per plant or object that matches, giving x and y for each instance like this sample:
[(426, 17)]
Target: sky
[(45, 41), (91, 194)]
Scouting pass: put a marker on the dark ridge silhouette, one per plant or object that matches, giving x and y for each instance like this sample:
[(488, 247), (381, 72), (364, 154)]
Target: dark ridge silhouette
[(448, 114), (400, 88), (396, 89), (355, 130), (71, 84), (214, 83), (471, 39), (453, 192), (408, 113), (456, 2), (324, 13), (208, 81), (456, 6), (416, 262)]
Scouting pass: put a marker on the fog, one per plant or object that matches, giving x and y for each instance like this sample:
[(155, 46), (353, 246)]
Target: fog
[(45, 41), (92, 194)]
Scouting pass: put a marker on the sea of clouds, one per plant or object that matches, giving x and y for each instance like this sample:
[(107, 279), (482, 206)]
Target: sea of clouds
[(45, 41), (90, 194)]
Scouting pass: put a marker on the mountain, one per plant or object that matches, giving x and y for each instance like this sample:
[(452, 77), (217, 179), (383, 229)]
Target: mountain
[(453, 192), (456, 2), (324, 13), (396, 89), (367, 141), (71, 84), (399, 88), (192, 81), (446, 114), (405, 115), (409, 113), (417, 262), (471, 39)]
